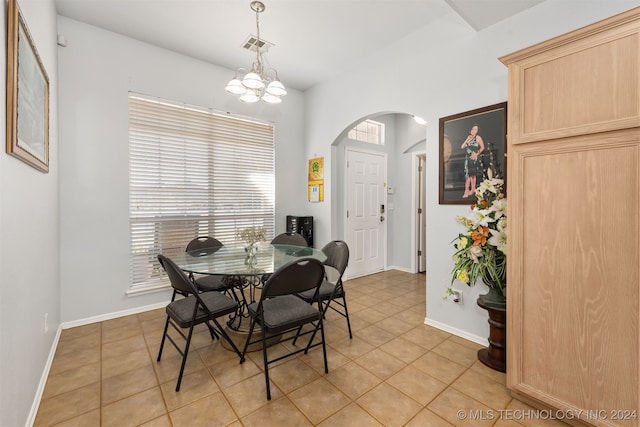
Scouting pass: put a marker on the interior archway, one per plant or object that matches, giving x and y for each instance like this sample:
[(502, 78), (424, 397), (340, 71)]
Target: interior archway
[(405, 146)]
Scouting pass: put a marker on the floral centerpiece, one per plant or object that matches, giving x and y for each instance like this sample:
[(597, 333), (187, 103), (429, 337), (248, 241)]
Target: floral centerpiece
[(481, 249), (252, 235)]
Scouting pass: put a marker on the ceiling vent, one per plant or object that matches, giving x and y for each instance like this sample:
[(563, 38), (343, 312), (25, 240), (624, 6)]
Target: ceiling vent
[(253, 44)]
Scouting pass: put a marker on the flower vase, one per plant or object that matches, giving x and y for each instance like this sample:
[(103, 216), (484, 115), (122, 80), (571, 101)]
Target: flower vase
[(495, 297), (251, 250), (495, 355)]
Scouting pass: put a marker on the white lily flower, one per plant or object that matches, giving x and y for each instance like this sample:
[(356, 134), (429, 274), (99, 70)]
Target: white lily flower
[(499, 207), (491, 185), (499, 240), (481, 217)]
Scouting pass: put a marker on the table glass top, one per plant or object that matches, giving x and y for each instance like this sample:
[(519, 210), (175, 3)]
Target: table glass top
[(233, 260)]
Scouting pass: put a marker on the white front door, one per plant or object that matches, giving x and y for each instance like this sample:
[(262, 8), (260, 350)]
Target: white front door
[(366, 211)]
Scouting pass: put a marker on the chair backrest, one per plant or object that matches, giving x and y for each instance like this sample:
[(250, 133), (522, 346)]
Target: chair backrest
[(204, 242), (337, 253), (179, 280), (290, 238), (294, 277)]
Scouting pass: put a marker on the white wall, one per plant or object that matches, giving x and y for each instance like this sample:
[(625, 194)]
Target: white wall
[(97, 69), (29, 281), (456, 70)]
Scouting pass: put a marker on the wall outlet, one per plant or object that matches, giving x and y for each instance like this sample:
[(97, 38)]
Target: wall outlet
[(46, 323), (456, 296)]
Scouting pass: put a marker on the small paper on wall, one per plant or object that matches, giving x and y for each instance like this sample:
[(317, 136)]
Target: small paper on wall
[(314, 195), (316, 180)]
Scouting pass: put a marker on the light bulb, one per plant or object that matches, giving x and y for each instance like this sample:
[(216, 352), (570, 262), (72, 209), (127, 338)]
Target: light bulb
[(235, 87), (253, 81), (276, 88), (271, 99), (249, 97)]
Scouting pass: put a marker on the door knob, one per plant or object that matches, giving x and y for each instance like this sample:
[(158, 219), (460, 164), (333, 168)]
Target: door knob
[(381, 218)]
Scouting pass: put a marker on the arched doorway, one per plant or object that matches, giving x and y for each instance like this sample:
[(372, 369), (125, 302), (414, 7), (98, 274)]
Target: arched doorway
[(405, 150)]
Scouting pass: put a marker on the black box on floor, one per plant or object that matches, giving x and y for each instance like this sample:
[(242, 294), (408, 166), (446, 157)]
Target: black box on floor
[(302, 225)]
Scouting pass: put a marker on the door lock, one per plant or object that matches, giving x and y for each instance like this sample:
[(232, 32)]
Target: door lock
[(381, 218)]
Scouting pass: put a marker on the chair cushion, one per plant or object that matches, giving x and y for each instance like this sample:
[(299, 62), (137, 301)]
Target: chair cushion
[(181, 310), (210, 283), (326, 288), (284, 312)]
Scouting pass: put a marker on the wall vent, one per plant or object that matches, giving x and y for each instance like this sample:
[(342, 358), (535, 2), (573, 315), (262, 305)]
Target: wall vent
[(251, 43)]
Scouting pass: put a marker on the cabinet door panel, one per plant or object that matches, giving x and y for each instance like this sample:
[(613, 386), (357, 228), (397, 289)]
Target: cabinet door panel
[(580, 83), (588, 79), (575, 257)]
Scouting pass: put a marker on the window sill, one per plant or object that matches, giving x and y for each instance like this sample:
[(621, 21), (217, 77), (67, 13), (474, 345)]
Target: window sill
[(149, 289)]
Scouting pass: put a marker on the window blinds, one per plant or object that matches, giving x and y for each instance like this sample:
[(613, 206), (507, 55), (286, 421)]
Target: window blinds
[(193, 173)]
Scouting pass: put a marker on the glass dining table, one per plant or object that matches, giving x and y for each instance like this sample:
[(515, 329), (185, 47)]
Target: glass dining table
[(243, 271)]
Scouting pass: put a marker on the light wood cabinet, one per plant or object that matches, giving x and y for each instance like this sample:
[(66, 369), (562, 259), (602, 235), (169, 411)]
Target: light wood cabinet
[(573, 275)]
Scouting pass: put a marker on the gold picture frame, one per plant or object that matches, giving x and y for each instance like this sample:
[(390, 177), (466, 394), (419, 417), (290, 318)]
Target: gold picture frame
[(27, 95)]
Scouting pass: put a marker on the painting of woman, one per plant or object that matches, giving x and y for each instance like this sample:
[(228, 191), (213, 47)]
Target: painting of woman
[(465, 156), (472, 165)]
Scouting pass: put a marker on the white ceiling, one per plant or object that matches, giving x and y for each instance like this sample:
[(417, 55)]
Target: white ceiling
[(314, 39)]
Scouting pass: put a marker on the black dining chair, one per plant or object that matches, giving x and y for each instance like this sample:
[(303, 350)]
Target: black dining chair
[(289, 238), (192, 310), (209, 282), (332, 288), (280, 311)]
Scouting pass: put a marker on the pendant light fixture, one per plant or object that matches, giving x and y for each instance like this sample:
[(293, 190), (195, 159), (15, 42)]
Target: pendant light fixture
[(261, 82)]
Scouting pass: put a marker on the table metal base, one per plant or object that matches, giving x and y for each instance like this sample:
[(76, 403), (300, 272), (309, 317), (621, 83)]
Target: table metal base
[(239, 338)]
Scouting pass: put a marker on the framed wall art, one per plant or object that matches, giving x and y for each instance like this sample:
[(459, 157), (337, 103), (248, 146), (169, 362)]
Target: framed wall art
[(27, 95), (470, 144), (316, 180)]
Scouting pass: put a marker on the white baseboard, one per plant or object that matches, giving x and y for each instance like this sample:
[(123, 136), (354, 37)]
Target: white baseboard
[(114, 315), (347, 276), (403, 269), (43, 380), (455, 331)]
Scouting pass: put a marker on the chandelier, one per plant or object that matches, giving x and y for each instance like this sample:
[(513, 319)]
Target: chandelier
[(262, 81)]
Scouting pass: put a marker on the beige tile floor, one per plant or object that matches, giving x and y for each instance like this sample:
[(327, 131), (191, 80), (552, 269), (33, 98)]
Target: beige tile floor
[(396, 371)]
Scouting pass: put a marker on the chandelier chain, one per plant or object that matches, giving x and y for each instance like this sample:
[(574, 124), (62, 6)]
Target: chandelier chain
[(259, 68)]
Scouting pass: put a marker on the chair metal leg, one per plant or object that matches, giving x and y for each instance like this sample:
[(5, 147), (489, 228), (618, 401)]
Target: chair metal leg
[(297, 335), (324, 347), (343, 305), (164, 335), (346, 314), (184, 358), (212, 332), (266, 363), (322, 311), (246, 343), (227, 337)]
